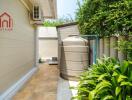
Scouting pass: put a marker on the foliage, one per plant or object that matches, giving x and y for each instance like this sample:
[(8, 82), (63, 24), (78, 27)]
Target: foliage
[(105, 17), (126, 47), (54, 23), (106, 80)]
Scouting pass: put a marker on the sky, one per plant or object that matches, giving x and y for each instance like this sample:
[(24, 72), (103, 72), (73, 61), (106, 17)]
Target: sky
[(67, 8)]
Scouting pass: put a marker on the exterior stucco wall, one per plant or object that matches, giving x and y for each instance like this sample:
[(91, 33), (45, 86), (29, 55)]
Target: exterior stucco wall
[(17, 47), (49, 7), (48, 42), (48, 48)]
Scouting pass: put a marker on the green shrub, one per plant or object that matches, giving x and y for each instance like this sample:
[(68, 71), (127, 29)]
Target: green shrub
[(126, 47), (105, 17), (54, 23), (106, 80)]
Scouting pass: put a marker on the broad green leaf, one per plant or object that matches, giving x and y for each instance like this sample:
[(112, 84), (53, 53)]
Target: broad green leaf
[(130, 62), (108, 97), (118, 90), (120, 97), (99, 61), (130, 77), (124, 66), (116, 67), (121, 78), (91, 95), (126, 84), (102, 85), (84, 90), (114, 81), (92, 76), (101, 77), (115, 74), (128, 98), (90, 81)]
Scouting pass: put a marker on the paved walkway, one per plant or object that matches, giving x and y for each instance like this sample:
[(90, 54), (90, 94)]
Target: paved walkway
[(42, 86), (64, 91)]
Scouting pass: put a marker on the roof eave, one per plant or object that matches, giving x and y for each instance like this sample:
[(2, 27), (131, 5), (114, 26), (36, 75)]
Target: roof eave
[(28, 5)]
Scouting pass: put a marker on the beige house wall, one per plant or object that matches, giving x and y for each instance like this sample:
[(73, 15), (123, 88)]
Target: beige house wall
[(48, 42), (48, 48), (17, 47), (48, 7)]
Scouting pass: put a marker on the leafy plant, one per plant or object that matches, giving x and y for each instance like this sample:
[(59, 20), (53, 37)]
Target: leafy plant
[(126, 47), (54, 23), (106, 80), (105, 17)]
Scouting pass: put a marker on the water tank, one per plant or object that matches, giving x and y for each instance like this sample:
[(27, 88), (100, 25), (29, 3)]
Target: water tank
[(74, 57)]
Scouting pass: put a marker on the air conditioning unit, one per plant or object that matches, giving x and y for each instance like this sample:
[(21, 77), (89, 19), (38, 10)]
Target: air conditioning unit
[(37, 13)]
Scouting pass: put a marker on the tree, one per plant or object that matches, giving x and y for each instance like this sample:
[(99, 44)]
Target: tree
[(105, 17)]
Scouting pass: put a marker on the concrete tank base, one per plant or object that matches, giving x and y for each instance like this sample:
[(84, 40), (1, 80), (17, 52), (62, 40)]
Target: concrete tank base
[(70, 74), (71, 78)]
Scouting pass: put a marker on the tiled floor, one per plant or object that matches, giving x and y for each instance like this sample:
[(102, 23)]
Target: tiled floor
[(42, 86)]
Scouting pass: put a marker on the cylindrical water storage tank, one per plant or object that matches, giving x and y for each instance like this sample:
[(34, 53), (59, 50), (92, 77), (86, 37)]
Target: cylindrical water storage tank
[(74, 57)]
